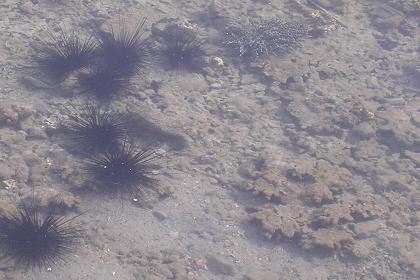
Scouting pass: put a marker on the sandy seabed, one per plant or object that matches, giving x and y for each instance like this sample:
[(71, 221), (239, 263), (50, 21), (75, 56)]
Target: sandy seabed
[(304, 166)]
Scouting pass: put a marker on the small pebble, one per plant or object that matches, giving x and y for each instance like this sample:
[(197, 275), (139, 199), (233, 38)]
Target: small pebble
[(217, 61), (160, 215), (9, 184), (398, 101), (215, 86)]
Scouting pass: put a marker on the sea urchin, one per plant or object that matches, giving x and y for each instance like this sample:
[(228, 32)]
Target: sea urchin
[(124, 51), (184, 50), (33, 240), (65, 53), (96, 130), (123, 170)]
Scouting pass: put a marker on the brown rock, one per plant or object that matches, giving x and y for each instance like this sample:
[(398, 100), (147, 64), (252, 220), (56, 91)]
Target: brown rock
[(281, 220), (301, 172), (261, 275), (368, 207), (328, 238), (319, 194), (415, 199), (8, 116), (368, 228), (364, 130), (271, 187), (361, 249), (6, 172), (393, 180), (218, 265), (415, 118), (415, 157), (331, 214), (411, 256)]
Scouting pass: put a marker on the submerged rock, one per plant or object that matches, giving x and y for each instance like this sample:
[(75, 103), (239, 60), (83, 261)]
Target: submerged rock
[(219, 266)]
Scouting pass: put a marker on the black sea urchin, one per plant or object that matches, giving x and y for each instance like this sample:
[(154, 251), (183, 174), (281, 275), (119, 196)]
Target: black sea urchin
[(33, 240), (95, 130), (268, 37), (124, 51), (184, 50), (123, 170), (65, 53)]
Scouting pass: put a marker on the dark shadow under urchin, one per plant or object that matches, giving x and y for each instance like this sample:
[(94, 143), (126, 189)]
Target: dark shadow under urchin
[(124, 50), (64, 53), (93, 130), (33, 240), (148, 132), (123, 171), (267, 37), (102, 83)]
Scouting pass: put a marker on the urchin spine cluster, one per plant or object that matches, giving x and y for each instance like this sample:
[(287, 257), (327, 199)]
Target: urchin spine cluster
[(64, 53), (125, 51), (122, 53), (115, 164), (104, 67), (123, 170), (268, 37), (95, 130), (32, 240), (183, 50)]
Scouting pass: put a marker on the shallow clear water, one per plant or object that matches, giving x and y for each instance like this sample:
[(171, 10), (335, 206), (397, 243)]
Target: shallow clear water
[(282, 139)]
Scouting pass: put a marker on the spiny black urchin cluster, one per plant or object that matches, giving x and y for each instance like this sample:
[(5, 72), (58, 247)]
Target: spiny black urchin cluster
[(124, 50), (65, 53), (32, 240), (268, 37), (122, 54), (95, 130), (103, 67), (115, 164), (123, 170), (179, 46)]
